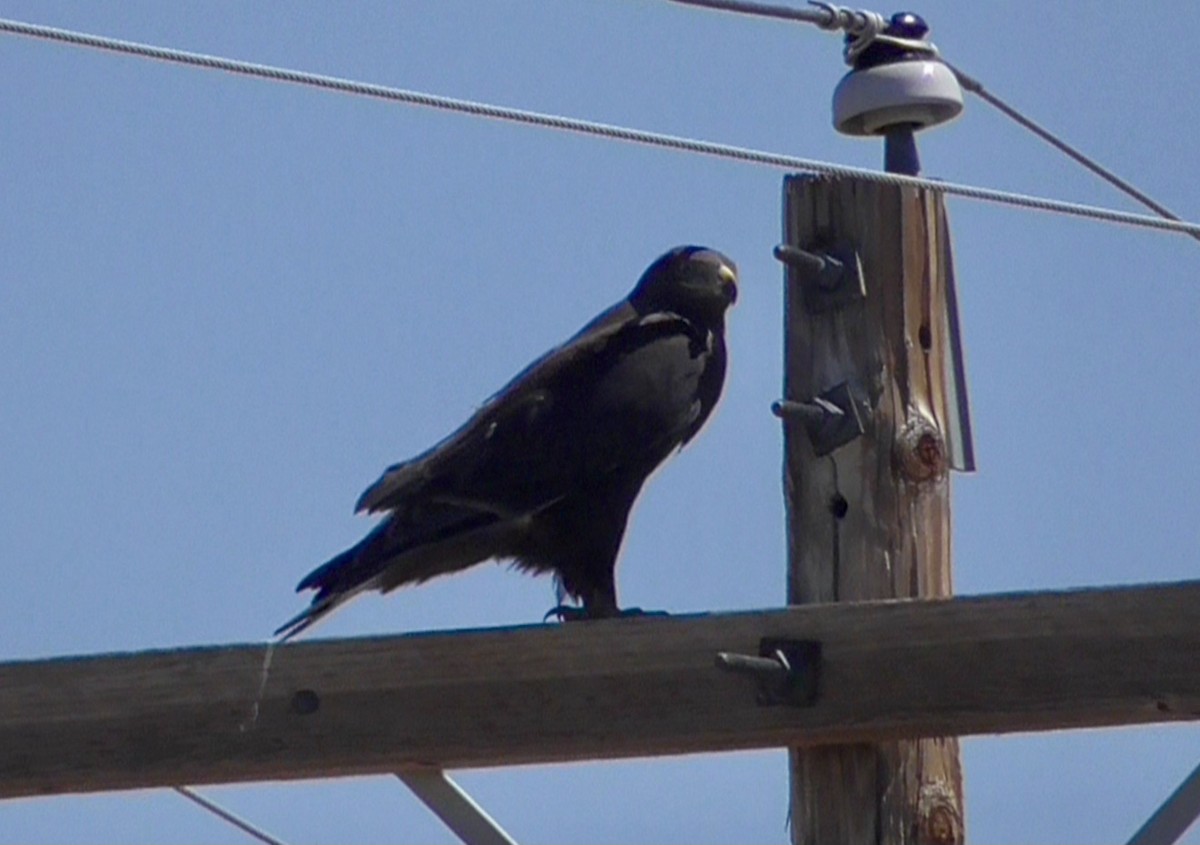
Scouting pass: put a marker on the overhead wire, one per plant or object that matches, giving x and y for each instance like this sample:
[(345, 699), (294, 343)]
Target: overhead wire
[(587, 127), (824, 15), (865, 26)]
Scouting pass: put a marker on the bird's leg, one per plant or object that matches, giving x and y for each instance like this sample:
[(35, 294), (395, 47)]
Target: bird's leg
[(601, 601)]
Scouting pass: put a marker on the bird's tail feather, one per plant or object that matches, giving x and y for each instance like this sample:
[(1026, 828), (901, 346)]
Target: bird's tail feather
[(336, 582), (300, 621), (452, 538), (312, 614)]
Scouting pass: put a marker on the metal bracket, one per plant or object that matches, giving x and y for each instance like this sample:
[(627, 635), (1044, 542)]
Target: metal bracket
[(452, 805), (831, 419), (830, 278), (788, 671), (1172, 820)]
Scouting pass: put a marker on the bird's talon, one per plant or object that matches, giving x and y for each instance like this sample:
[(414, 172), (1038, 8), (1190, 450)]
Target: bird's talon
[(571, 613), (566, 613)]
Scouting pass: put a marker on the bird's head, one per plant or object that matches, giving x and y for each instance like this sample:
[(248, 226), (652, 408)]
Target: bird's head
[(692, 281)]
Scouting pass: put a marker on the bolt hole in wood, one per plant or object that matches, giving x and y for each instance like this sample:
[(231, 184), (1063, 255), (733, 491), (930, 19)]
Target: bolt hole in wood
[(838, 506), (305, 702), (925, 337)]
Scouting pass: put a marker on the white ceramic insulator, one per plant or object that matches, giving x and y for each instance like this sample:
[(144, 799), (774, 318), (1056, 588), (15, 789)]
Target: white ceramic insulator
[(921, 92)]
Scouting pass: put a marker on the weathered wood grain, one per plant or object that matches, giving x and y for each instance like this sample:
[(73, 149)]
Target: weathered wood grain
[(620, 688), (872, 519)]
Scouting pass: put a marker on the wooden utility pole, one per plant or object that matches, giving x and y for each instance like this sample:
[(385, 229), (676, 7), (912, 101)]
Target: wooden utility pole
[(869, 498)]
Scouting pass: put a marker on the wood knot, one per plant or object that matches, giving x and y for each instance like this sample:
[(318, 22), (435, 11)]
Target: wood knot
[(921, 450), (939, 821)]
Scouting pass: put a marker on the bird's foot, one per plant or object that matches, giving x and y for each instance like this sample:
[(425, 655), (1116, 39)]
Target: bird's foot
[(566, 613), (574, 613)]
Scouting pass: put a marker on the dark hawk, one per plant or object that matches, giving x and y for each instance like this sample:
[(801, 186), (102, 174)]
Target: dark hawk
[(545, 472)]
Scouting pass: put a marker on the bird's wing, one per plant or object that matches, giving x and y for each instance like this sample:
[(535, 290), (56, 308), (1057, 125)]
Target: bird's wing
[(622, 390)]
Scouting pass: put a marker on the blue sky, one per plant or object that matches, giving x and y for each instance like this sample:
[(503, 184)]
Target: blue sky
[(227, 304)]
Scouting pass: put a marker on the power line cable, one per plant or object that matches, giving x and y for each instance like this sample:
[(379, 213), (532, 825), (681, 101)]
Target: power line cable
[(587, 127), (866, 27), (225, 815), (824, 15)]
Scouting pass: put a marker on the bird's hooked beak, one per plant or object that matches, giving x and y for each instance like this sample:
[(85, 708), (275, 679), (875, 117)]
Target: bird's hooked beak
[(729, 280)]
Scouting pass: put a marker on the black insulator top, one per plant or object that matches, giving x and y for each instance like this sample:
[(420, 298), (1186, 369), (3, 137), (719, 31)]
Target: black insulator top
[(901, 25), (907, 25)]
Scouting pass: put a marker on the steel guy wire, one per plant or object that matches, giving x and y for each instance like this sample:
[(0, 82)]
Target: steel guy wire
[(587, 127), (225, 815), (973, 85)]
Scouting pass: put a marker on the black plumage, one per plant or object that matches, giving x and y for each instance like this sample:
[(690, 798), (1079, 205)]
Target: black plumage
[(546, 471)]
